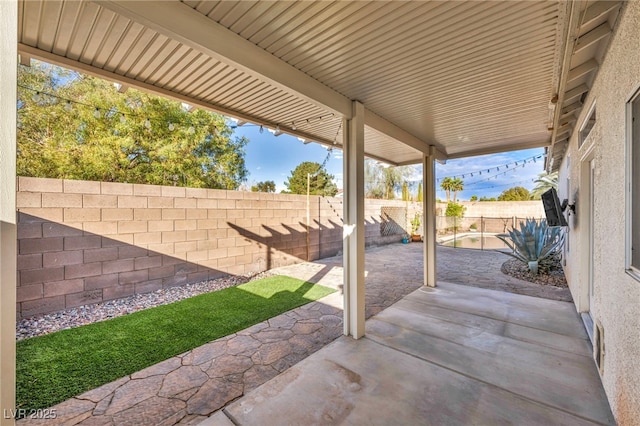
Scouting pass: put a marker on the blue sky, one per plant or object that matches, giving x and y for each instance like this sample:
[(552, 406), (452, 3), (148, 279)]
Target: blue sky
[(273, 158)]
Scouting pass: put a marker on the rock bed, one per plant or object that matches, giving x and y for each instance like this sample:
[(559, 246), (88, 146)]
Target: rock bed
[(74, 317), (554, 277)]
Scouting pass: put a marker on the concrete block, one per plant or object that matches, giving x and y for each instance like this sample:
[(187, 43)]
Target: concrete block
[(101, 281), (147, 190), (144, 238), (117, 214), (162, 272), (29, 261), (163, 248), (160, 225), (32, 184), (195, 256), (186, 268), (52, 229), (82, 270), (58, 288), (150, 262), (133, 277), (226, 204), (243, 204), (235, 214), (61, 200), (29, 292), (29, 230), (84, 242), (82, 215), (196, 192), (196, 214), (28, 199), (208, 203), (30, 215), (99, 201), (130, 251), (235, 251), (258, 204), (235, 195), (197, 235), (132, 201), (266, 213), (251, 213), (196, 277), (174, 281), (226, 242), (147, 214), (114, 266), (217, 233), (132, 226), (61, 258), (173, 191), (101, 228), (173, 214), (83, 298), (174, 236), (39, 306), (100, 254), (35, 276), (216, 214), (183, 225), (113, 188), (80, 187), (218, 253), (148, 286), (160, 202), (225, 263), (185, 247), (185, 203), (216, 194), (40, 245), (207, 224), (118, 292), (206, 244)]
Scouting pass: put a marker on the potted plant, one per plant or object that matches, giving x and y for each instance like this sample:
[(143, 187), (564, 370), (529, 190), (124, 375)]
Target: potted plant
[(415, 225)]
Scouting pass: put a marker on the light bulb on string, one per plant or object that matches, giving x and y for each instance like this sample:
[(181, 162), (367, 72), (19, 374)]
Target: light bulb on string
[(172, 126), (147, 124), (123, 118), (68, 107), (191, 130), (36, 97), (96, 113), (261, 129)]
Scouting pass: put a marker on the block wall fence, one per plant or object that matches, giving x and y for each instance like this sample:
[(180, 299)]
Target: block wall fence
[(82, 242)]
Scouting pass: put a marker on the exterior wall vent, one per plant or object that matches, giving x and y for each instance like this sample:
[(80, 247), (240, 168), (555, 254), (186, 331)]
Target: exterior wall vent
[(598, 346)]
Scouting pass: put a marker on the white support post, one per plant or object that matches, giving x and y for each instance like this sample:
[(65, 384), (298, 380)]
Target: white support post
[(8, 87), (353, 229), (429, 216)]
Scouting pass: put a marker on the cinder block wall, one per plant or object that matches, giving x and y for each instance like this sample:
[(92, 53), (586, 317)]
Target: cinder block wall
[(82, 242)]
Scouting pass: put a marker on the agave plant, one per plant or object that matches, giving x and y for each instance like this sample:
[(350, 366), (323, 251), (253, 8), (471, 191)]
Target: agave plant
[(534, 243)]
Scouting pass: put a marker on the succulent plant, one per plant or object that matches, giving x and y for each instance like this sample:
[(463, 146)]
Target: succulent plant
[(534, 243)]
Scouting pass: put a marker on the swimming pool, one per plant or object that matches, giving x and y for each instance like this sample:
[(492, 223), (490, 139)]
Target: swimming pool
[(475, 241)]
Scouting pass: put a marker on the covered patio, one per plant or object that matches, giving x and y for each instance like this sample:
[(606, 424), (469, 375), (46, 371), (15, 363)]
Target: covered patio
[(400, 82)]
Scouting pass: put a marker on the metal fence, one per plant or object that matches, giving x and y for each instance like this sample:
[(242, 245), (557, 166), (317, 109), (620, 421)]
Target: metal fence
[(474, 232)]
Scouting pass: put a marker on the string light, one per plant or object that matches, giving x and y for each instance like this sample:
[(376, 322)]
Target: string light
[(67, 106), (191, 130), (96, 113), (36, 97), (171, 126), (123, 118), (147, 124)]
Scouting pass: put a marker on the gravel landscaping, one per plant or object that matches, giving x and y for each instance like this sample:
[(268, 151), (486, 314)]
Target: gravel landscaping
[(39, 325), (553, 277)]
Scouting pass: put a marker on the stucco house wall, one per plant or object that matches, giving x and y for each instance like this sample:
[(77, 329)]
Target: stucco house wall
[(616, 294)]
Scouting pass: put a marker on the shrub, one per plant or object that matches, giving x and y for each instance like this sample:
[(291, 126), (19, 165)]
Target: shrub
[(534, 243)]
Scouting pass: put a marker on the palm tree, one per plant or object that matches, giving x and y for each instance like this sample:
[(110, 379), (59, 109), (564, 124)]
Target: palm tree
[(457, 185), (446, 185), (544, 182)]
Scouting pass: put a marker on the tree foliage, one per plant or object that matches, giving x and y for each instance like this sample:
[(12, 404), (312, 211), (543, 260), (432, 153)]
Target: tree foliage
[(266, 186), (419, 196), (320, 182), (455, 210), (452, 185), (405, 192), (517, 193), (544, 182), (119, 137), (384, 182)]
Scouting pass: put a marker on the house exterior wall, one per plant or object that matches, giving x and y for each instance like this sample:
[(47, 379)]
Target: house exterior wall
[(616, 295)]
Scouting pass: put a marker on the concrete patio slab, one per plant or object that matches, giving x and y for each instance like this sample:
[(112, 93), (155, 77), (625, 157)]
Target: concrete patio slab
[(418, 367)]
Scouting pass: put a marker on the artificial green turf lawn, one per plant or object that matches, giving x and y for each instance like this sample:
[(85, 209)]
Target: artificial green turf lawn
[(58, 366)]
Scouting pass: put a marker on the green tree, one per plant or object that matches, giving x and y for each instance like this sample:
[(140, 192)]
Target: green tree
[(405, 192), (266, 186), (450, 185), (488, 199), (544, 182), (473, 198), (383, 182), (419, 196), (517, 193), (455, 210), (321, 182), (109, 136)]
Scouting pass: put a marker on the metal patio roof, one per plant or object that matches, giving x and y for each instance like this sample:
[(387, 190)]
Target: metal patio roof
[(468, 77)]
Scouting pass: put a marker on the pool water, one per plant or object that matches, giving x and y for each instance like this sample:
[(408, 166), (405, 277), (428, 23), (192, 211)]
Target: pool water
[(488, 242)]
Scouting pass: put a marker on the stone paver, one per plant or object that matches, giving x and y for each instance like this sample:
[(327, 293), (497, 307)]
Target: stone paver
[(188, 388)]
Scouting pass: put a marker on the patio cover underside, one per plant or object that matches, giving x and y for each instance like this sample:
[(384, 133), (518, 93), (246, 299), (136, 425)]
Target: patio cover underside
[(465, 77)]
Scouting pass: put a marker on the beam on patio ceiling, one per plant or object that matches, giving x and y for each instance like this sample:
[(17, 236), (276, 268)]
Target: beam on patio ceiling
[(499, 149), (182, 23), (593, 36), (150, 88), (582, 69)]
